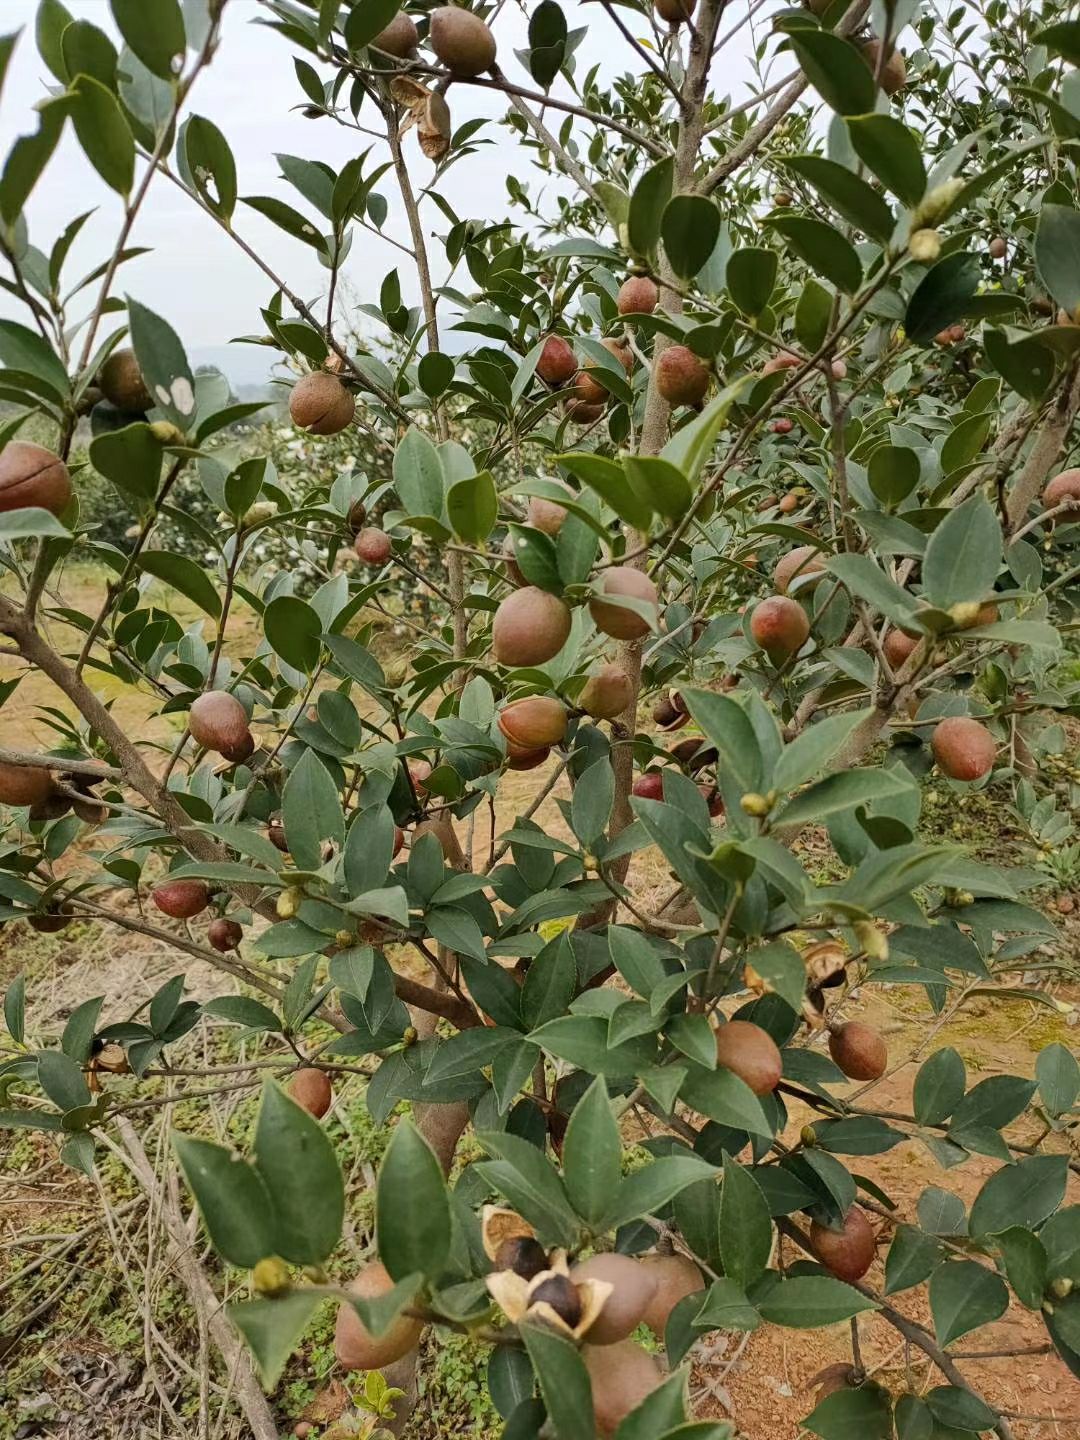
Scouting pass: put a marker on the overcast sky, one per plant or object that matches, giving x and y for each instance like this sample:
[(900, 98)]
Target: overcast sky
[(196, 275)]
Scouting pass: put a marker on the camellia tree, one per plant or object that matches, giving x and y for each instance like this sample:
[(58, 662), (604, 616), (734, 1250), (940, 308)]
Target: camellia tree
[(759, 439)]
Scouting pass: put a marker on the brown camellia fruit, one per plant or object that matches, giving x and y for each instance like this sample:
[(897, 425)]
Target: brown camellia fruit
[(30, 475), (667, 715), (674, 11), (182, 899), (607, 693), (586, 390), (461, 40), (693, 752), (24, 784), (963, 749), (50, 921), (751, 1053), (618, 621), (557, 361), (400, 38), (530, 627), (218, 721), (622, 1376), (894, 72), (780, 626), (372, 546), (797, 564), (526, 759), (859, 1050), (582, 412), (634, 1287), (523, 1254), (676, 1277), (997, 248), (622, 353), (898, 646), (848, 1252), (562, 1295), (785, 360), (546, 515), (121, 382), (649, 786), (681, 377), (354, 1345), (275, 833), (419, 770), (1065, 486), (312, 1091), (531, 724), (321, 405), (637, 295), (224, 934)]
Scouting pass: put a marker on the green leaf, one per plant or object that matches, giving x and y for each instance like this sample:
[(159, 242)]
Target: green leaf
[(648, 1190), (272, 1329), (854, 199), (62, 1080), (207, 164), (864, 577), (891, 152), (689, 226), (828, 253), (130, 458), (960, 1408), (311, 811), (233, 1199), (163, 363), (299, 1168), (547, 42), (751, 278), (1057, 254), (724, 1097), (78, 1037), (293, 631), (660, 485), (435, 372), (727, 1308), (154, 29), (813, 314), (25, 524), (286, 218), (1025, 1193), (412, 1207), (472, 506), (647, 204), (103, 132), (526, 1177), (963, 1296), (366, 19), (841, 791), (24, 349), (1026, 1264), (662, 1412), (369, 850), (15, 1009), (939, 1086), (242, 1010), (913, 1256), (418, 475), (52, 20), (1058, 1074), (746, 1228), (809, 753), (592, 1155), (864, 1413), (836, 70), (1062, 39), (185, 575), (964, 554), (564, 1383), (913, 1419), (89, 51), (893, 473), (941, 296), (726, 725), (804, 1302), (608, 479), (591, 802), (28, 157), (782, 970), (690, 447), (964, 442)]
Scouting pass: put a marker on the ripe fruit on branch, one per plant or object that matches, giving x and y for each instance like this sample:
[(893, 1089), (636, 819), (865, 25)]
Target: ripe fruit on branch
[(681, 377), (419, 770), (997, 248), (557, 361), (785, 360), (546, 515), (218, 721), (583, 412), (533, 723), (893, 73), (513, 569), (32, 475), (674, 11), (523, 1254), (963, 749), (224, 934), (676, 1277), (638, 295), (354, 1345), (275, 833), (633, 1287), (320, 404), (783, 426), (1065, 486), (461, 40), (530, 627), (622, 1376), (586, 390), (400, 38), (24, 784), (649, 786), (898, 646), (51, 920), (561, 1294), (618, 621), (751, 1053), (622, 353), (848, 1252), (798, 564), (859, 1050), (121, 382), (526, 759), (693, 752), (780, 626), (669, 715), (312, 1091), (372, 546), (607, 693), (182, 899)]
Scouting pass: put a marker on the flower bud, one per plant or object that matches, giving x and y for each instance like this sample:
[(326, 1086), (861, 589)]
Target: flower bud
[(924, 246), (936, 205), (288, 902), (875, 945), (755, 804), (271, 1277)]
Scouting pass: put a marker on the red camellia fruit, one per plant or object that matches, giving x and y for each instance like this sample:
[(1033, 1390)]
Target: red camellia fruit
[(798, 564), (681, 377), (373, 546), (557, 361), (751, 1053), (218, 721), (783, 426), (1065, 486), (311, 1089), (531, 724), (530, 627), (650, 786), (31, 476), (182, 899), (780, 626), (607, 693), (847, 1252), (224, 934), (898, 646), (637, 296), (963, 749), (320, 404), (859, 1050), (618, 621)]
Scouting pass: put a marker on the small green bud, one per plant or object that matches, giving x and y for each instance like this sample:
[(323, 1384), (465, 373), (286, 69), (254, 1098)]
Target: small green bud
[(288, 902), (755, 804), (874, 944), (924, 246), (271, 1277), (1061, 1287)]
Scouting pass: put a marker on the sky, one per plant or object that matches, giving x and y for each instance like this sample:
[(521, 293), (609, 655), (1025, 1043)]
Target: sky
[(195, 275)]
